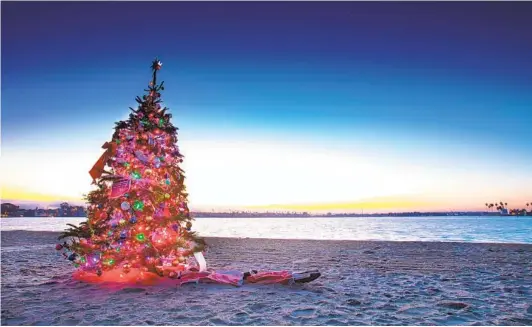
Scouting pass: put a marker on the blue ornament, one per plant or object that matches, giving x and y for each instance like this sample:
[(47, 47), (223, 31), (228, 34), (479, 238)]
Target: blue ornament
[(123, 235), (133, 220), (175, 227), (72, 257)]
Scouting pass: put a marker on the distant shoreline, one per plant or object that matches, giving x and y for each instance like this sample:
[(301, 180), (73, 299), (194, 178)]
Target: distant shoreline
[(10, 210)]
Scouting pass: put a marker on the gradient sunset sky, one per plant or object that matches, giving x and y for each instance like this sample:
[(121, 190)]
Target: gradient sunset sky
[(293, 106)]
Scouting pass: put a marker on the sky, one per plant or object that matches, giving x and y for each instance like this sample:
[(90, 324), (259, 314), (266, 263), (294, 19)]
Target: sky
[(305, 106)]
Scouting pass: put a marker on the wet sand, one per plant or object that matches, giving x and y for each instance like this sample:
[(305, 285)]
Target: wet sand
[(363, 283)]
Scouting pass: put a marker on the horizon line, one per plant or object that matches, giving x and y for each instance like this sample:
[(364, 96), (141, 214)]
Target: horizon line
[(277, 211)]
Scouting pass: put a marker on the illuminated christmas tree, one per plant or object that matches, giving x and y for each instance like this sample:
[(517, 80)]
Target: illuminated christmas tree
[(138, 221)]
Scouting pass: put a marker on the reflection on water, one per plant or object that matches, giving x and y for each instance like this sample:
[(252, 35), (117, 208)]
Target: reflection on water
[(463, 229)]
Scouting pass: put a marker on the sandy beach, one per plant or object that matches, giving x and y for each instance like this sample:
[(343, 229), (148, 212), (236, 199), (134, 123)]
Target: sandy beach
[(363, 283)]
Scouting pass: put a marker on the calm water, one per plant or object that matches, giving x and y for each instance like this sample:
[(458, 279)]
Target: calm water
[(463, 229)]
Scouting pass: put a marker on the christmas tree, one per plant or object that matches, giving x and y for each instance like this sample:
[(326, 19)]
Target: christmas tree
[(138, 221)]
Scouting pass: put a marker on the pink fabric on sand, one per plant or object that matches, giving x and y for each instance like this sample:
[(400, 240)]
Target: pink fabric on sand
[(236, 278), (270, 277)]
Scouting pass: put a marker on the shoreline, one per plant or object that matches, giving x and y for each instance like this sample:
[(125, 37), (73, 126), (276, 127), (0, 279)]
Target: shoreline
[(56, 234)]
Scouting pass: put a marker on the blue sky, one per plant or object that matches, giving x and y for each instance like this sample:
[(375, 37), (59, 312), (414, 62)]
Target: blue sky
[(442, 86)]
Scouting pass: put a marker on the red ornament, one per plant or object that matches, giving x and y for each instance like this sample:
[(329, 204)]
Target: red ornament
[(58, 247)]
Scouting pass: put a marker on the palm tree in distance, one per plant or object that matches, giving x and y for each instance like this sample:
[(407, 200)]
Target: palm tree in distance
[(513, 212)]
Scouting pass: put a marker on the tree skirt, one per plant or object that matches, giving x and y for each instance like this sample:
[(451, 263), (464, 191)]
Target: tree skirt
[(137, 276)]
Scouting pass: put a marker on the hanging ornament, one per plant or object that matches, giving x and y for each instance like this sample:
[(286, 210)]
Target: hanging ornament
[(141, 156), (138, 205), (125, 205), (140, 237), (120, 187), (92, 259), (136, 175), (157, 162), (133, 220), (123, 235)]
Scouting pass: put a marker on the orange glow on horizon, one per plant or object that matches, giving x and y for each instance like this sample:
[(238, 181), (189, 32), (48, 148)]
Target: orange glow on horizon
[(15, 194), (404, 203), (371, 205)]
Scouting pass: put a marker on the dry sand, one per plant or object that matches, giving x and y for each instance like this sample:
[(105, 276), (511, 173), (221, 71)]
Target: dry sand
[(363, 283)]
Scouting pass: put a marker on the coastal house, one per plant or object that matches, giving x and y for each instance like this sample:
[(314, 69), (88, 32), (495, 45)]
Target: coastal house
[(503, 211)]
